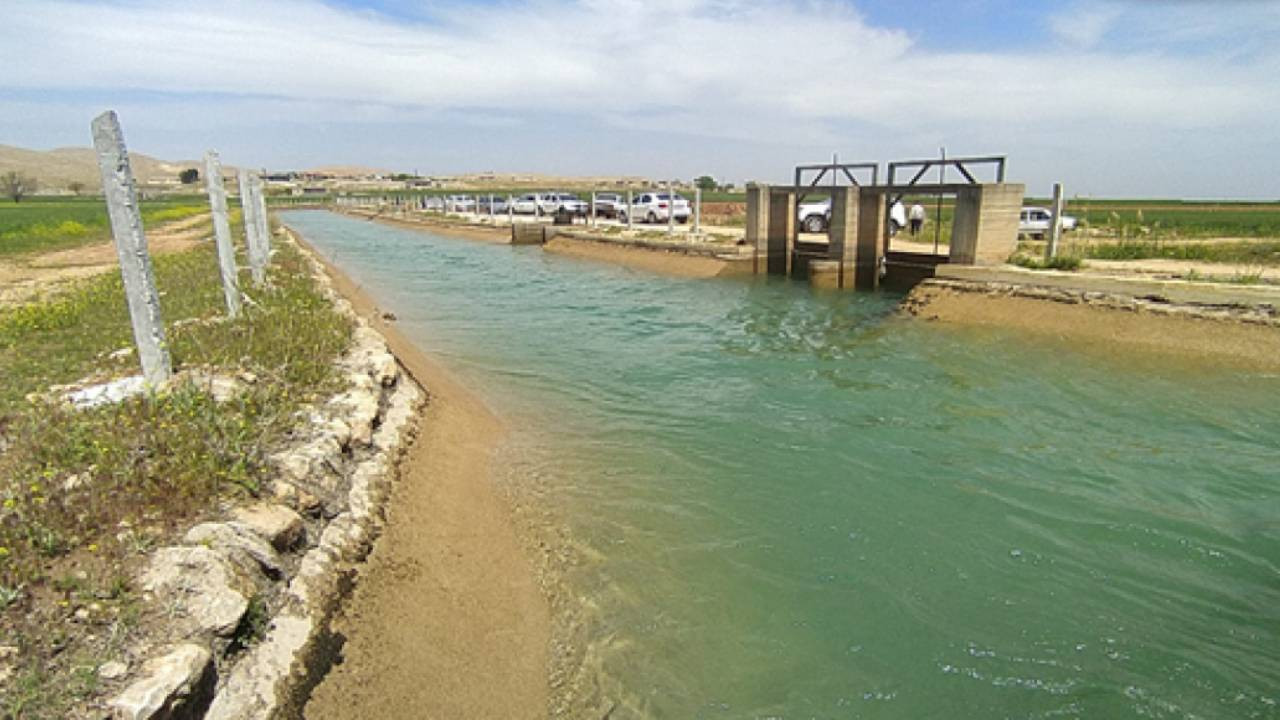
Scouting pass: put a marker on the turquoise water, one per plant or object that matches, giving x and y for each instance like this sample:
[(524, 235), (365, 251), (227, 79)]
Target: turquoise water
[(796, 505)]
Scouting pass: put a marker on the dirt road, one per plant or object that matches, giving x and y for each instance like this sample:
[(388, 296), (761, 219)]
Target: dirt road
[(27, 278)]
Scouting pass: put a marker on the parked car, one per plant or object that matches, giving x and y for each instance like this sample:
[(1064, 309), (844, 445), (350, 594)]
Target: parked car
[(608, 205), (461, 203), (526, 204), (653, 206), (499, 204), (433, 202), (1035, 221), (814, 217), (564, 202)]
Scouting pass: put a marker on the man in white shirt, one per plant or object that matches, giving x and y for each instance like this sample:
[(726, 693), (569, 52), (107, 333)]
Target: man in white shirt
[(897, 217), (917, 218)]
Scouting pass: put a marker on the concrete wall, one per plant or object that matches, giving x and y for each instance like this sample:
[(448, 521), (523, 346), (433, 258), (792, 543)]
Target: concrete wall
[(871, 240), (844, 233), (758, 225), (782, 227), (985, 230)]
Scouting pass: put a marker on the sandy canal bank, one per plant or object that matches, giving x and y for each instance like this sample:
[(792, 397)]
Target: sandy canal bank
[(446, 619), (1109, 324)]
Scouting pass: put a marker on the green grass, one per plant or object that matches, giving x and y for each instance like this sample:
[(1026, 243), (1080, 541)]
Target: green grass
[(45, 224), (1264, 253), (70, 480), (1069, 263)]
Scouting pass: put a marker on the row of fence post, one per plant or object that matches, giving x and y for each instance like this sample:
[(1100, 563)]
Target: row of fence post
[(120, 191)]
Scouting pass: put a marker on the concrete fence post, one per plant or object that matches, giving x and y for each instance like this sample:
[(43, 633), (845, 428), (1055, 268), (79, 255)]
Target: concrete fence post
[(1055, 223), (253, 244), (671, 208), (511, 209), (222, 232), (697, 210), (264, 229), (131, 247), (629, 208), (591, 210)]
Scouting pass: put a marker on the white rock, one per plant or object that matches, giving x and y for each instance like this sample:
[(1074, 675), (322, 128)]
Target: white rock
[(276, 524), (107, 393), (251, 688), (236, 538), (172, 686), (201, 588), (113, 670), (384, 368)]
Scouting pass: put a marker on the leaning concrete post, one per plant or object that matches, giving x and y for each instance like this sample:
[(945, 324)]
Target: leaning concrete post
[(260, 217), (131, 247), (1055, 223), (253, 244), (697, 210), (671, 208), (222, 232), (629, 200)]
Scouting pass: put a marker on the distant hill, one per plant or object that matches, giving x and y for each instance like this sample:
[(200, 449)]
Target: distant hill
[(57, 169), (349, 171)]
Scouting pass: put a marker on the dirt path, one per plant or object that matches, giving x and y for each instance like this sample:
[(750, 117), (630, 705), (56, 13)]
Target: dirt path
[(447, 619), (1160, 267), (30, 277)]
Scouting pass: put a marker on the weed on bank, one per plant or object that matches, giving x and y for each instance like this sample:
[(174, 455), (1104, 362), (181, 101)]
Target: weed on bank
[(85, 494)]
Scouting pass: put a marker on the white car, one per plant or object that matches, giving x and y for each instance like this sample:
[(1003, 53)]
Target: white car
[(548, 204), (1034, 221), (654, 206), (460, 203), (814, 217), (564, 202)]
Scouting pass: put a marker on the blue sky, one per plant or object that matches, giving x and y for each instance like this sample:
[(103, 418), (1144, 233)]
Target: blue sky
[(1174, 98)]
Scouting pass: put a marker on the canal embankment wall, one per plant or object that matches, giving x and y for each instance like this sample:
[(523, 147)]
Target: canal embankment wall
[(1211, 322)]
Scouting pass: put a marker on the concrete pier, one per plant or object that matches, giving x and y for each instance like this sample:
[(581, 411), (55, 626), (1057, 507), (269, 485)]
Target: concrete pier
[(856, 256)]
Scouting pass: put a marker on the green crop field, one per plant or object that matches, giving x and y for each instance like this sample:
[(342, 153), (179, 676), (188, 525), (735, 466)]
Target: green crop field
[(45, 224)]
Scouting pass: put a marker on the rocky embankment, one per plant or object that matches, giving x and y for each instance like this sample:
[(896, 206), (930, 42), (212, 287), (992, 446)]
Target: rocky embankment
[(239, 608)]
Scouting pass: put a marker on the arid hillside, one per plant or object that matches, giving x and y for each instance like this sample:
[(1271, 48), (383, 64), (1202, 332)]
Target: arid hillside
[(59, 169)]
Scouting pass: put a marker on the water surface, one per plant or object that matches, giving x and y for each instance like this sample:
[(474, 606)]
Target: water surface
[(800, 505)]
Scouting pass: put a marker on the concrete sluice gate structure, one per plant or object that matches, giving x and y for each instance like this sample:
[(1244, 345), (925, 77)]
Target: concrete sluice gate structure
[(857, 255)]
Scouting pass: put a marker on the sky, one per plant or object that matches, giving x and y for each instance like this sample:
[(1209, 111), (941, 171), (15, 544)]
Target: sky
[(1113, 98)]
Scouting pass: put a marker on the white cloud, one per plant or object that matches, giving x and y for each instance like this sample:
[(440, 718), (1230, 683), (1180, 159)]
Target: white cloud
[(1084, 26), (719, 60), (800, 71)]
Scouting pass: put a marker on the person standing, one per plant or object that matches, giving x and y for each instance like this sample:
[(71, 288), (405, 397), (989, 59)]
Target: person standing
[(897, 217), (917, 218)]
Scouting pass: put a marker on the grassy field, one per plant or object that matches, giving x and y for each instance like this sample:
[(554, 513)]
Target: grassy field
[(84, 494), (44, 224)]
